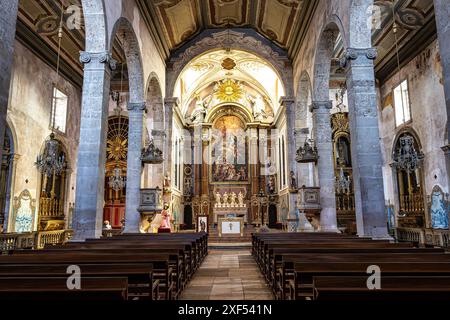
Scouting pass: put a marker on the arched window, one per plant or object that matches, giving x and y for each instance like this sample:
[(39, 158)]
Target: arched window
[(408, 160), (116, 170)]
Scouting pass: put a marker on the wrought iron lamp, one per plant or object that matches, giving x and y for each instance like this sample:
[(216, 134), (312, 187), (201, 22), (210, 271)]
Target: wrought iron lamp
[(406, 157), (50, 161), (116, 181)]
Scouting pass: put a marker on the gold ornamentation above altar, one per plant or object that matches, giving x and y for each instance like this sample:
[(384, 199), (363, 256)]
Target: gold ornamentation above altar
[(229, 91)]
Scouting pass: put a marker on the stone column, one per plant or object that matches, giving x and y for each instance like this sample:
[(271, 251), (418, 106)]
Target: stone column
[(442, 12), (366, 152), (169, 105), (134, 166), (289, 104), (325, 165), (88, 214), (8, 19)]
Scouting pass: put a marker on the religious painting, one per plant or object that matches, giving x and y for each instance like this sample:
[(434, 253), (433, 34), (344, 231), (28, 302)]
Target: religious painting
[(202, 224), (229, 151), (24, 209)]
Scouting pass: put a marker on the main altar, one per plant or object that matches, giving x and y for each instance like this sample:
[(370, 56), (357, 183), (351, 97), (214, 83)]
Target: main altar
[(230, 205)]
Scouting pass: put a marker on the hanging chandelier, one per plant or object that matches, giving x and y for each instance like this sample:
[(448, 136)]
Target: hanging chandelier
[(406, 157), (342, 183), (116, 181), (52, 160)]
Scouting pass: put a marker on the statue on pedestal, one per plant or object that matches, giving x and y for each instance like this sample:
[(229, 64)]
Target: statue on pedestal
[(233, 197), (165, 223), (241, 199), (225, 200), (218, 200)]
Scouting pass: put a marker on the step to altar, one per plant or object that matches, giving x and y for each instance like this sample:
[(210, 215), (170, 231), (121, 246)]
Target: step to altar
[(214, 237)]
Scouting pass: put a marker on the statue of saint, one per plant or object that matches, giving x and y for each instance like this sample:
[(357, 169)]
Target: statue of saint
[(165, 213), (225, 200), (241, 199), (233, 197), (293, 181), (218, 200)]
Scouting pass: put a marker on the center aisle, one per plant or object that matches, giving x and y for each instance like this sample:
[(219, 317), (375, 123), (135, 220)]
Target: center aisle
[(228, 275)]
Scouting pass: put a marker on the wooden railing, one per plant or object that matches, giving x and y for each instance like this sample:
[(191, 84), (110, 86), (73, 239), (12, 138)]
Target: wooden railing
[(13, 241), (428, 237), (53, 237), (33, 240), (51, 208)]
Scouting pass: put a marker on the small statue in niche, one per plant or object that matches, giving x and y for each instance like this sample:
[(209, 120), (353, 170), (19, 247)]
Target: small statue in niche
[(271, 185), (199, 113), (293, 181), (167, 184), (225, 200)]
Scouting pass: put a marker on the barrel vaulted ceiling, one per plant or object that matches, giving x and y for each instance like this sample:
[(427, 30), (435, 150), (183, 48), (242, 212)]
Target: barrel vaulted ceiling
[(173, 23), (281, 21)]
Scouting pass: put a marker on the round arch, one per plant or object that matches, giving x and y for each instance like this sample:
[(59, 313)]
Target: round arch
[(323, 57), (123, 29), (235, 41), (221, 110)]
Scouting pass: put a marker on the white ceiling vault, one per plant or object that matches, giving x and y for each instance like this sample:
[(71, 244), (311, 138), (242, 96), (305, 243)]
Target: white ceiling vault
[(281, 21)]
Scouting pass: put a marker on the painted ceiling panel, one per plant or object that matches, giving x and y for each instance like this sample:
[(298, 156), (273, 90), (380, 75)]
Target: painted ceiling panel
[(224, 12), (180, 19)]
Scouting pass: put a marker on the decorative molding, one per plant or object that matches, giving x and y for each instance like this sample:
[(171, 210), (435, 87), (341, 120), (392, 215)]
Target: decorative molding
[(100, 57)]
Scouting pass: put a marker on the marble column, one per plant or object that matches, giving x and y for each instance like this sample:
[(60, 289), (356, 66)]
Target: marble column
[(289, 105), (88, 214), (442, 12), (134, 166), (366, 151), (325, 165), (8, 19)]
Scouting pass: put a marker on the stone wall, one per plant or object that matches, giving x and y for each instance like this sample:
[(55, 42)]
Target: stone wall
[(29, 113), (428, 109)]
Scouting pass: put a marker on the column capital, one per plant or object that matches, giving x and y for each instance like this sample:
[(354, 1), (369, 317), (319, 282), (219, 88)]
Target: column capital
[(446, 149), (354, 53), (173, 102), (316, 105), (136, 106), (284, 101), (99, 57)]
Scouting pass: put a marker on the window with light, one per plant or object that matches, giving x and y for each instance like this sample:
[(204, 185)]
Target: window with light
[(59, 111), (402, 106)]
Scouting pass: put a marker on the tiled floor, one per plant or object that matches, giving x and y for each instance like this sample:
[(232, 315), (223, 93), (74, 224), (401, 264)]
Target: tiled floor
[(228, 275)]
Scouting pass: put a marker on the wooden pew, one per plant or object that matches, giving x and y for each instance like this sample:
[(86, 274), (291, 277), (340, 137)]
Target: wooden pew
[(140, 277), (354, 288), (302, 285), (161, 265), (55, 289)]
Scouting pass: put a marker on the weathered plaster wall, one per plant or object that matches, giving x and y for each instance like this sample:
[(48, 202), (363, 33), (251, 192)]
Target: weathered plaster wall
[(428, 109), (29, 112)]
